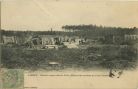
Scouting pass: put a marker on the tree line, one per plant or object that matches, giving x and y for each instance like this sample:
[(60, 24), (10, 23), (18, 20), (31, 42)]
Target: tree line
[(77, 30)]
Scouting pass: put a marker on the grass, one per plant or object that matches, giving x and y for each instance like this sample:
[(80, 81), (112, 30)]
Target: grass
[(111, 57)]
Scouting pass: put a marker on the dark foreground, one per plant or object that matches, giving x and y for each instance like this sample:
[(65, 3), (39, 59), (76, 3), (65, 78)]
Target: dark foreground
[(49, 59)]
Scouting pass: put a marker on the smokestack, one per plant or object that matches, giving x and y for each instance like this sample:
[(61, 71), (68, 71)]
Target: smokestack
[(0, 24), (0, 49)]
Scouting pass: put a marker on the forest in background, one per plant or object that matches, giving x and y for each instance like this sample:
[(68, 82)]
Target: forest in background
[(111, 56), (80, 30)]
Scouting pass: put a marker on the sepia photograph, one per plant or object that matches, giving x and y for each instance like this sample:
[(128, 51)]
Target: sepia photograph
[(40, 39)]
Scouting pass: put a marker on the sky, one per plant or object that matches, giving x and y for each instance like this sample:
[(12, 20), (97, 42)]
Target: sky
[(47, 14)]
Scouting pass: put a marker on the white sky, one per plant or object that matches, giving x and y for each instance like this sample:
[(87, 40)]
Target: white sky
[(46, 14)]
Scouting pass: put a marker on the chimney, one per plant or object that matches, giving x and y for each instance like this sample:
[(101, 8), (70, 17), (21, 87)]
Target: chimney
[(0, 46), (0, 25)]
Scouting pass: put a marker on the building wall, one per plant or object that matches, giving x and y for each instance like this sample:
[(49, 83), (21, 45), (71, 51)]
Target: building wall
[(131, 37), (9, 39)]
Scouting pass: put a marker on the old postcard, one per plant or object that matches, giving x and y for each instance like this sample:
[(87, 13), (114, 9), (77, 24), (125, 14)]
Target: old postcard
[(68, 44)]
